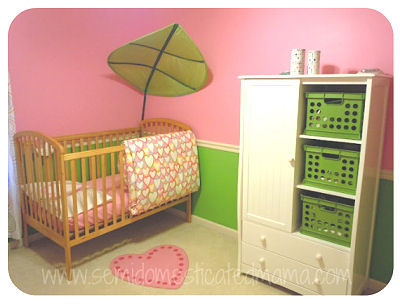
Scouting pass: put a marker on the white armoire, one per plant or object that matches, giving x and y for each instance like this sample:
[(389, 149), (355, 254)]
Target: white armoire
[(271, 182)]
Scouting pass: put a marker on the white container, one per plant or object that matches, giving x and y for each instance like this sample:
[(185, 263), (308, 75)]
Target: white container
[(313, 62), (297, 61)]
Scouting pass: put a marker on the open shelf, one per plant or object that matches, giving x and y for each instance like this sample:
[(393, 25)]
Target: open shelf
[(330, 192), (332, 139)]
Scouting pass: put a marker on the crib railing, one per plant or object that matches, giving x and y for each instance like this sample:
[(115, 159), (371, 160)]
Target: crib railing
[(40, 182), (156, 126), (84, 161), (93, 178)]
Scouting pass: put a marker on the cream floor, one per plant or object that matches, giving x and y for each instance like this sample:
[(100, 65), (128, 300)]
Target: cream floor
[(212, 254)]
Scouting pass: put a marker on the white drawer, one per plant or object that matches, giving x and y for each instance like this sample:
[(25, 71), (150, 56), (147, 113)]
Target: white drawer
[(311, 278), (298, 248)]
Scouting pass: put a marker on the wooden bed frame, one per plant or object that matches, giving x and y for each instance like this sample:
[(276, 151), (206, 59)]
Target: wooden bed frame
[(45, 162)]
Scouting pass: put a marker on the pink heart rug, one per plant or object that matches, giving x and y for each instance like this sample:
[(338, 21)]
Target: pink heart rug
[(163, 266)]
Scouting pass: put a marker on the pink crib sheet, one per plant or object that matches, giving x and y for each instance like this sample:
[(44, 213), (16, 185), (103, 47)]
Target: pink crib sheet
[(109, 204)]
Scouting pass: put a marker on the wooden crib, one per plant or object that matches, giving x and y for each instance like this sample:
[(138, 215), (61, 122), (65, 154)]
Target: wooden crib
[(50, 168)]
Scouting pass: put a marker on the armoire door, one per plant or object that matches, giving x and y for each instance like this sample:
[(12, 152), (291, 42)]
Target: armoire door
[(268, 140)]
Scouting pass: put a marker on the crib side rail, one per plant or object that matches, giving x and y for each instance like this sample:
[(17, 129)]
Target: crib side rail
[(154, 126), (40, 181), (95, 140), (96, 180)]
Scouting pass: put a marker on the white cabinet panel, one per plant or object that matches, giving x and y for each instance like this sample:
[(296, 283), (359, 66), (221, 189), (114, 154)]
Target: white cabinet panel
[(269, 128)]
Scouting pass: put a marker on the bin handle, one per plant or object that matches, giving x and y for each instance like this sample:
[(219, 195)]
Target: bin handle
[(330, 155), (328, 209), (333, 101)]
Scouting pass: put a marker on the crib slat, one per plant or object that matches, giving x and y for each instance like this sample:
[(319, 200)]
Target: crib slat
[(24, 164), (66, 169), (97, 158), (45, 188), (113, 188), (31, 178), (103, 177), (121, 173), (22, 174), (85, 207), (50, 185), (46, 184), (57, 177), (94, 189), (39, 181), (46, 179), (74, 197)]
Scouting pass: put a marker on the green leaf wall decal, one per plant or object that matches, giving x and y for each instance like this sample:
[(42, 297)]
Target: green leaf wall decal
[(165, 63)]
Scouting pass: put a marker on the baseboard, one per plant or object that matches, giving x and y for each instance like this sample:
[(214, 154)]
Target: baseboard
[(205, 222), (36, 236), (14, 244), (375, 286)]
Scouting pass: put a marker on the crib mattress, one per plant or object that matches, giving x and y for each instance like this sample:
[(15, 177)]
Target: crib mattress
[(91, 212), (100, 212)]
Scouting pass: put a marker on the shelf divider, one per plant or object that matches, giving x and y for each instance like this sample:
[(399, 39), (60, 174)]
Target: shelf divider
[(324, 191), (341, 140)]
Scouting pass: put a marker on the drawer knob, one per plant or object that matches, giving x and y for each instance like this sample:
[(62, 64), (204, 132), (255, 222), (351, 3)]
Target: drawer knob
[(320, 260), (262, 262), (263, 238), (317, 281)]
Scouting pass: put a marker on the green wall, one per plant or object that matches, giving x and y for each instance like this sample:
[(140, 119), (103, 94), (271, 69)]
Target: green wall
[(217, 201), (382, 249)]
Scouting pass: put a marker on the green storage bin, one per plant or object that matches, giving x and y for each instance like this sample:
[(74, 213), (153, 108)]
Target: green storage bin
[(331, 169), (337, 115), (327, 220)]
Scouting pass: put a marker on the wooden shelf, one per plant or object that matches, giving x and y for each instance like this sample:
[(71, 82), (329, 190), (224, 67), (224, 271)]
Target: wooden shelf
[(330, 192), (341, 140)]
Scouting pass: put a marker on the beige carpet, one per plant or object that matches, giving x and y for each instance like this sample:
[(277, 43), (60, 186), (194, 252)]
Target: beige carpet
[(212, 262)]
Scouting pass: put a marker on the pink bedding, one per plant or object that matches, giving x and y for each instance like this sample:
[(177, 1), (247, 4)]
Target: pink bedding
[(109, 204), (100, 214)]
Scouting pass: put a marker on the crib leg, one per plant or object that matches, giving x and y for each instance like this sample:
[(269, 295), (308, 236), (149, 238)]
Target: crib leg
[(189, 209), (26, 237), (68, 263)]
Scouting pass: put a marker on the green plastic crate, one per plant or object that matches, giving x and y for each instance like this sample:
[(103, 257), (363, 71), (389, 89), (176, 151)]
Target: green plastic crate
[(337, 115), (331, 169), (327, 220)]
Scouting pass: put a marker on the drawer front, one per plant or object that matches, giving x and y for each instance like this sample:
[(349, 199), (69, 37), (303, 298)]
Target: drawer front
[(305, 276), (297, 248)]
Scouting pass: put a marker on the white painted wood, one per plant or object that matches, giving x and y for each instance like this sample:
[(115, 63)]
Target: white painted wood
[(330, 192), (339, 140), (312, 252), (240, 172), (273, 241), (338, 77), (269, 141), (368, 180), (322, 242), (300, 274), (271, 279)]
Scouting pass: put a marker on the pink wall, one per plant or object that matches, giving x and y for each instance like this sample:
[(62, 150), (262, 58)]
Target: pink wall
[(61, 82)]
